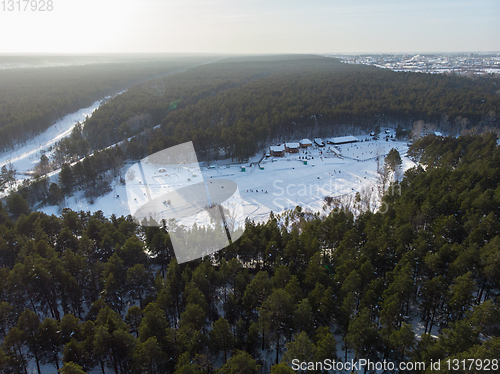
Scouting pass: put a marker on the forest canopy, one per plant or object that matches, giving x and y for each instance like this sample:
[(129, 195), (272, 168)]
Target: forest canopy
[(82, 291), (418, 283), (33, 98), (240, 104), (236, 106)]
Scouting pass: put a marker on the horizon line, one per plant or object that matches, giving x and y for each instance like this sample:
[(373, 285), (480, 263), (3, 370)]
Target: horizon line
[(235, 53)]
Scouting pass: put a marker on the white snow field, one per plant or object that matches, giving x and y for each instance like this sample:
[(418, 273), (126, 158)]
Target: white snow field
[(168, 185), (276, 183), (266, 184)]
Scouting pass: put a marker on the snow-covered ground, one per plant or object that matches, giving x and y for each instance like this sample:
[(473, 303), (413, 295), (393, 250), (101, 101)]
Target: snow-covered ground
[(25, 156), (277, 184)]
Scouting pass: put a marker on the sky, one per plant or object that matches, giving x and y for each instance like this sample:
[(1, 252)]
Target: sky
[(250, 26)]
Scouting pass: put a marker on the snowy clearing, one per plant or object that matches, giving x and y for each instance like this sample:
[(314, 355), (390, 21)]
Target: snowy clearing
[(276, 184)]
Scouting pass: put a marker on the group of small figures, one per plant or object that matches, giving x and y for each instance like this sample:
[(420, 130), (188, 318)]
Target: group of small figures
[(251, 190)]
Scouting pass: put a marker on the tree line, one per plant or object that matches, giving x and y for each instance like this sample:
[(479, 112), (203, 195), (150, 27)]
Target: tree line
[(82, 291), (35, 98), (237, 106)]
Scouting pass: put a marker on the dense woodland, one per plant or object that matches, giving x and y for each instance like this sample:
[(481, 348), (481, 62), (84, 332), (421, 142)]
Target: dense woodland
[(33, 98), (236, 106), (83, 292), (241, 104)]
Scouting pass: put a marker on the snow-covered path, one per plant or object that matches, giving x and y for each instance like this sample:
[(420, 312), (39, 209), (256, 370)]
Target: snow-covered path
[(24, 157)]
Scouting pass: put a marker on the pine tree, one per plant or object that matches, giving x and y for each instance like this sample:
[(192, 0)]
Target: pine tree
[(29, 324), (66, 180), (240, 363), (50, 342), (301, 348), (71, 368), (276, 316), (17, 205), (221, 338)]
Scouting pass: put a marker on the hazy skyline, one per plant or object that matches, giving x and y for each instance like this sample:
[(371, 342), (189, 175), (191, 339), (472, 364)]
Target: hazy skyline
[(223, 26)]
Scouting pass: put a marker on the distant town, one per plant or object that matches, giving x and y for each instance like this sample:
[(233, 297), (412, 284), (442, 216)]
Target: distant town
[(464, 63)]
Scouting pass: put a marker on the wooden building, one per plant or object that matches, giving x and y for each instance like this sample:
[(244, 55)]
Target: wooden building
[(292, 147), (304, 143), (277, 150)]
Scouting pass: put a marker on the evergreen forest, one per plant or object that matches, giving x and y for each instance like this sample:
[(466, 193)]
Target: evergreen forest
[(83, 292), (35, 97), (237, 106)]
